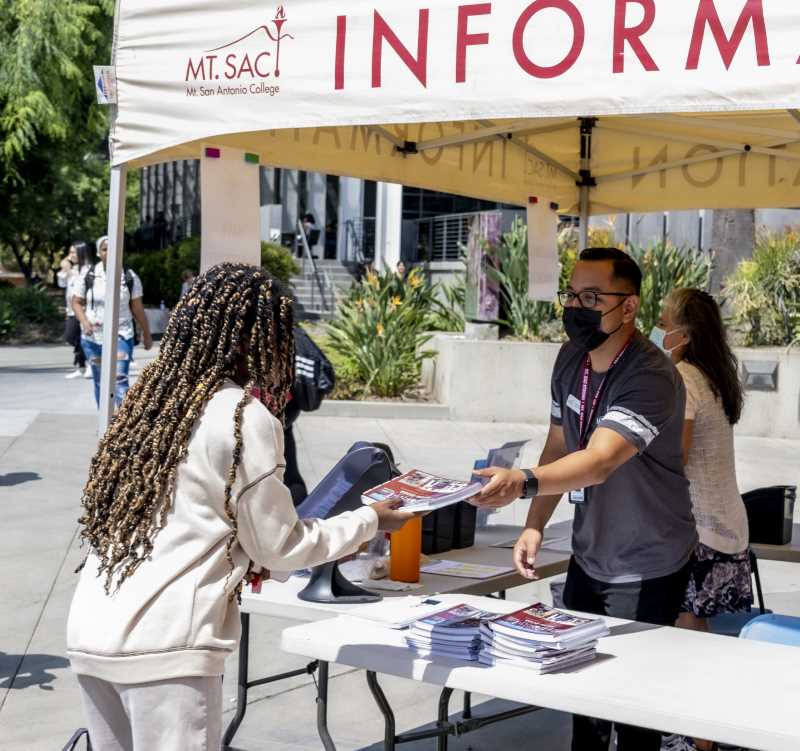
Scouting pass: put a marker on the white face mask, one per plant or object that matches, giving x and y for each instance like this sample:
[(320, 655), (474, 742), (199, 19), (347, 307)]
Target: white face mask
[(658, 335)]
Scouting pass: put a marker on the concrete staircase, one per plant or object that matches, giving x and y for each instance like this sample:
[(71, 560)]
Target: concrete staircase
[(336, 279)]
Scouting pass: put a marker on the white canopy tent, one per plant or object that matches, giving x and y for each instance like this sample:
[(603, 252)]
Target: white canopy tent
[(600, 106)]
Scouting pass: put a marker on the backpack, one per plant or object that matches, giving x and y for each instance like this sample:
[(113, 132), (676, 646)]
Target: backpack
[(129, 281), (314, 375)]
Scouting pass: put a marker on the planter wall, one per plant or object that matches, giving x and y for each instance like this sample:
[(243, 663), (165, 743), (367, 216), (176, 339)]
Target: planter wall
[(504, 381)]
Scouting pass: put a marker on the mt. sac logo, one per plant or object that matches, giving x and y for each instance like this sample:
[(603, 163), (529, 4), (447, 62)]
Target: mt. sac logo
[(253, 57)]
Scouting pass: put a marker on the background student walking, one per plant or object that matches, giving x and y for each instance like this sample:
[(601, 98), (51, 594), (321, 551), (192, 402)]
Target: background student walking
[(89, 306), (75, 263)]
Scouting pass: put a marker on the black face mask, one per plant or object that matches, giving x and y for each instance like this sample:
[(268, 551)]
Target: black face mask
[(583, 327)]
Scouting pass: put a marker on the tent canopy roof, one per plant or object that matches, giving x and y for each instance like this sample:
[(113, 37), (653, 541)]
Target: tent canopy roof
[(482, 100)]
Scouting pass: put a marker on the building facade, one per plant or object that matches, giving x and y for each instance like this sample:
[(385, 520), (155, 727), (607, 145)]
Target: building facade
[(355, 216), (347, 213)]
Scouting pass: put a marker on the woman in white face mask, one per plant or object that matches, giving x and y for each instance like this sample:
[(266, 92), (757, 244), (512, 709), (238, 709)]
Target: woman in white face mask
[(691, 333)]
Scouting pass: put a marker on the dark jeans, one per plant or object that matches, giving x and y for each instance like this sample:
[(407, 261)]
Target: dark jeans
[(655, 601), (72, 335)]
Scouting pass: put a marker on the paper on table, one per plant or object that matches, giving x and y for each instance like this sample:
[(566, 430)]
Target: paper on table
[(445, 567), (399, 612), (391, 586)]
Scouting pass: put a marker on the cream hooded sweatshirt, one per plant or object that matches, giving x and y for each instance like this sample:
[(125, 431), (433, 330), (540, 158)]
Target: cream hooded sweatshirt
[(173, 618)]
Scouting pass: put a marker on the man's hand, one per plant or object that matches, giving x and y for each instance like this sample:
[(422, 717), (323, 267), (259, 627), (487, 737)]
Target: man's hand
[(504, 487), (147, 340), (525, 552), (87, 327)]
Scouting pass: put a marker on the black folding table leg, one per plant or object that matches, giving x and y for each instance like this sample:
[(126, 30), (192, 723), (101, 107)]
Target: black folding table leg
[(386, 711), (467, 714), (241, 682), (444, 716), (322, 708)]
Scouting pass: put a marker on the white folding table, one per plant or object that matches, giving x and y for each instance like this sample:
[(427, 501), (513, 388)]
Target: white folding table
[(674, 680), (491, 543), (280, 598)]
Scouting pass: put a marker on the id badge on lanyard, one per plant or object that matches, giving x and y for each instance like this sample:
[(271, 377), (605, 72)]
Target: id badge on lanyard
[(577, 496), (585, 420)]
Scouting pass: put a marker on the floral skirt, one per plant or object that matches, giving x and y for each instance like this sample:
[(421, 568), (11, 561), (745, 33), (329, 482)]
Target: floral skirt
[(718, 583)]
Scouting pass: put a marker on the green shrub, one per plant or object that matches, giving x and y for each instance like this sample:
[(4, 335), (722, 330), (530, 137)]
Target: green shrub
[(32, 305), (525, 317), (447, 313), (764, 293), (8, 321), (379, 330), (348, 385), (31, 314), (279, 261), (161, 270), (666, 267)]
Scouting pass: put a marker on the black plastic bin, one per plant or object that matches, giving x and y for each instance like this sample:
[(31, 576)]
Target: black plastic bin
[(452, 527), (770, 512)]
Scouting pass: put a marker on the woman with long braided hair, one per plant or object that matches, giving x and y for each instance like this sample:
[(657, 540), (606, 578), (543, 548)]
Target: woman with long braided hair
[(184, 500)]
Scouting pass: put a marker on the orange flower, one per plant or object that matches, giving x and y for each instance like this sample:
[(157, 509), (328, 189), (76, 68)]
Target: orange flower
[(395, 301), (379, 328)]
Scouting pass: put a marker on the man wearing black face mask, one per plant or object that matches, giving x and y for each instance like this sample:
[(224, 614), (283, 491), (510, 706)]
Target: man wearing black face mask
[(615, 446)]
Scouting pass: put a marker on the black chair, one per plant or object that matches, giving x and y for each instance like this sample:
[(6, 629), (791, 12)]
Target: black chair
[(770, 513)]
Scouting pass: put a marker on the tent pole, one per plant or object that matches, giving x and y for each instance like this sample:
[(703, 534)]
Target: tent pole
[(586, 180), (116, 236), (583, 220)]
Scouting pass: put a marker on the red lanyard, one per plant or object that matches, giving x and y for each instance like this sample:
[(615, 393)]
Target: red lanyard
[(583, 425)]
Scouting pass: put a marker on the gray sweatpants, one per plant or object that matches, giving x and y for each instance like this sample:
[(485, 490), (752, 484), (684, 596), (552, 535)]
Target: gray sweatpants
[(183, 714)]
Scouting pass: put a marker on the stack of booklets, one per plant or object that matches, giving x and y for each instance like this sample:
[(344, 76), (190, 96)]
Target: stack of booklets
[(540, 638), (450, 633)]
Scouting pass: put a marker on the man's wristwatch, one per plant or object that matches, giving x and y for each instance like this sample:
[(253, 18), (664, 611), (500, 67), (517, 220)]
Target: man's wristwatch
[(530, 488)]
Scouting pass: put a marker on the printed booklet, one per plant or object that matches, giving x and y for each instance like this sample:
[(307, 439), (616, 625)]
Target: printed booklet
[(542, 623), (451, 633), (420, 491)]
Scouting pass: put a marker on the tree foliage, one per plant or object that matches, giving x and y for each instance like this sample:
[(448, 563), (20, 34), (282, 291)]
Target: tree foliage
[(53, 172)]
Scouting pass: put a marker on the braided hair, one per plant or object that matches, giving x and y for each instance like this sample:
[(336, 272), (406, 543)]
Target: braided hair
[(234, 322)]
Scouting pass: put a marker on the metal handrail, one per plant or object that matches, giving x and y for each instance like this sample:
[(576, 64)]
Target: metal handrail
[(350, 231), (307, 256)]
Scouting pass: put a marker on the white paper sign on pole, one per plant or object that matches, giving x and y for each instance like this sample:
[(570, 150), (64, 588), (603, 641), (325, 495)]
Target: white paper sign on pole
[(105, 84), (231, 214), (543, 265)]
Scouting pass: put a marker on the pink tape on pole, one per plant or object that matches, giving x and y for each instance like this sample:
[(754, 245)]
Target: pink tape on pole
[(212, 153)]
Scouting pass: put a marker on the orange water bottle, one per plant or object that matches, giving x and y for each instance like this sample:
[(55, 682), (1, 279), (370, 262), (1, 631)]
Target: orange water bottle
[(405, 551)]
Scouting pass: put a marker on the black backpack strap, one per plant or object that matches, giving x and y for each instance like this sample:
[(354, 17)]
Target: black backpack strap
[(129, 281), (90, 284)]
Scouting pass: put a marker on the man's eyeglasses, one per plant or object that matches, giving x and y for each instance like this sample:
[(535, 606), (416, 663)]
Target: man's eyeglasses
[(586, 299)]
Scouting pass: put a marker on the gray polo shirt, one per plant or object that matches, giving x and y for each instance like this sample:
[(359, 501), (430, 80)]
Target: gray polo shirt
[(638, 524)]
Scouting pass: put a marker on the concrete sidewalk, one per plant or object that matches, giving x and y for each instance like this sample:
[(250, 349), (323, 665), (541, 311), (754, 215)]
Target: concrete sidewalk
[(47, 436)]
